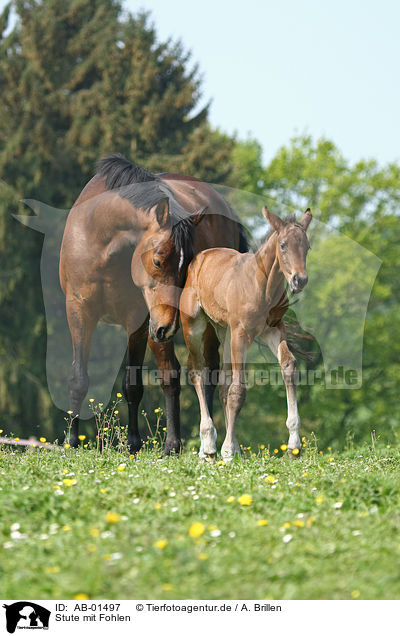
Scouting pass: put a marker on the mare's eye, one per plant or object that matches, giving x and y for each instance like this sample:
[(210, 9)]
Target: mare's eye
[(283, 245), (157, 263)]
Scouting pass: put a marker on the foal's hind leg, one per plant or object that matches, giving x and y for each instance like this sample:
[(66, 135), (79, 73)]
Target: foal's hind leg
[(276, 340), (132, 385), (81, 324), (236, 394), (194, 330)]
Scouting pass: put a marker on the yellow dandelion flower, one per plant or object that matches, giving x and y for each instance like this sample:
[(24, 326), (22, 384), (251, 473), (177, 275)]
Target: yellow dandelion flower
[(42, 439), (319, 499), (230, 499), (329, 448), (295, 451), (286, 525), (113, 517), (298, 523), (331, 459), (69, 482), (270, 479), (91, 400), (387, 445), (283, 447), (160, 544), (305, 474), (70, 412), (157, 506), (121, 467), (221, 463), (107, 557), (245, 500), (157, 410), (16, 439), (131, 456), (81, 597), (202, 556), (1, 430), (276, 451), (91, 547), (116, 413), (100, 404), (119, 395), (303, 439), (95, 532), (262, 446), (355, 594), (262, 522), (103, 490), (67, 446), (53, 569), (196, 529), (56, 487), (66, 528), (82, 437), (167, 587)]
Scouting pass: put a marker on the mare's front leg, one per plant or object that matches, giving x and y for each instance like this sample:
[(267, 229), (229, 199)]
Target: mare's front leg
[(236, 393), (276, 339), (132, 385), (169, 370)]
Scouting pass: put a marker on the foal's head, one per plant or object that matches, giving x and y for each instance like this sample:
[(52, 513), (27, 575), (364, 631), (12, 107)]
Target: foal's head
[(292, 246), (159, 267)]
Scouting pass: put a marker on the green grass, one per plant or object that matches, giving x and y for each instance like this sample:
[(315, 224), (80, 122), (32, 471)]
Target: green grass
[(344, 525)]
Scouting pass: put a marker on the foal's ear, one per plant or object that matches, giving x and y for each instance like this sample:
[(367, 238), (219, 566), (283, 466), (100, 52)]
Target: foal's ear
[(199, 215), (306, 218), (162, 212), (273, 219)]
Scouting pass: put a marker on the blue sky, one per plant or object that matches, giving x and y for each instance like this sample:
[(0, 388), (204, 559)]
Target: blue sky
[(277, 67), (274, 68)]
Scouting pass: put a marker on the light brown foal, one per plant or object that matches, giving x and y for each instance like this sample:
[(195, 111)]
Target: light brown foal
[(243, 296)]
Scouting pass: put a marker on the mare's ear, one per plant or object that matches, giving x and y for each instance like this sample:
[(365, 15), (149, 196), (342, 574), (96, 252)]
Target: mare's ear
[(162, 212), (199, 215), (273, 219), (306, 218)]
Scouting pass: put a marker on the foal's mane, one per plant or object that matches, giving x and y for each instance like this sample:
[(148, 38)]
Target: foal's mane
[(144, 190)]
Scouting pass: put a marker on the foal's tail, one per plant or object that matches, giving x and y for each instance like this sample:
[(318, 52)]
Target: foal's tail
[(243, 242)]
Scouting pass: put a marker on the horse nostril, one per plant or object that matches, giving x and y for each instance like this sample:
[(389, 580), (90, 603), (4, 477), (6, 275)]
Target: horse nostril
[(160, 334), (302, 281)]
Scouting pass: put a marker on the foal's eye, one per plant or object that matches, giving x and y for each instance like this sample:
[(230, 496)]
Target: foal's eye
[(157, 263), (283, 245)]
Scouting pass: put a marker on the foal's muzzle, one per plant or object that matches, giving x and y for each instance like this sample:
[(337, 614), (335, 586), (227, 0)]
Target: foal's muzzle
[(297, 283)]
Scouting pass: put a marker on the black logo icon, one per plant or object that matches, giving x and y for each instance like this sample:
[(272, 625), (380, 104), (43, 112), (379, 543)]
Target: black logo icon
[(26, 615)]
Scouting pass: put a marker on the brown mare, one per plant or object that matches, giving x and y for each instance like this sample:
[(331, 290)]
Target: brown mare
[(125, 211), (243, 296)]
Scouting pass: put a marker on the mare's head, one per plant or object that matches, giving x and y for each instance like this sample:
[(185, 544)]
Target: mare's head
[(292, 246), (159, 266)]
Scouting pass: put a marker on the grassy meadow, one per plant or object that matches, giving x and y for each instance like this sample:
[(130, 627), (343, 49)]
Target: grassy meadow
[(95, 523)]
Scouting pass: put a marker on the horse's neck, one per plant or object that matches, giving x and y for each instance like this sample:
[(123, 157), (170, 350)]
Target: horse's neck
[(268, 277)]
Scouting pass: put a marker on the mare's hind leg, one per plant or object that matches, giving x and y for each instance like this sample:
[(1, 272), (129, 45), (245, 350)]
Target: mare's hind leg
[(132, 384), (81, 324), (194, 330), (276, 340)]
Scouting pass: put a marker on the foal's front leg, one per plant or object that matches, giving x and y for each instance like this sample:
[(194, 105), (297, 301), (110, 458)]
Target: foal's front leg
[(276, 339)]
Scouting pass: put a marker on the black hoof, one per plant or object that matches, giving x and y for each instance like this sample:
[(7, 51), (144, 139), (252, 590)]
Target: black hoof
[(172, 447), (135, 445)]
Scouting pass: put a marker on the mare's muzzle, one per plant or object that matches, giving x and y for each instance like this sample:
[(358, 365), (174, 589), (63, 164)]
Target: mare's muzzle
[(298, 282)]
